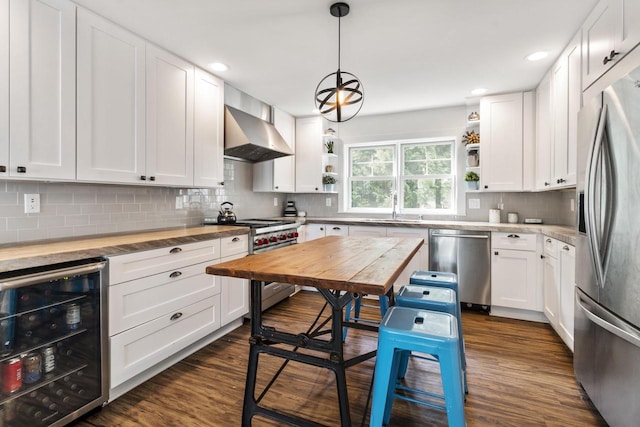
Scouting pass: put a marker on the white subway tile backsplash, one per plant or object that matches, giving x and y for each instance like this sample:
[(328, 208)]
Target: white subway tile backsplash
[(22, 223), (75, 220)]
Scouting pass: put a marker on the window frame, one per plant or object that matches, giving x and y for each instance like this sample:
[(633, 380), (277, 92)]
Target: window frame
[(399, 178)]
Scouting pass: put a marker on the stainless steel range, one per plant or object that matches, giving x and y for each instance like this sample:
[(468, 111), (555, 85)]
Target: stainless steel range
[(266, 235)]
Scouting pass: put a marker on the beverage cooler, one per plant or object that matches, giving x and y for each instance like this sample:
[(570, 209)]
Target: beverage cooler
[(52, 348)]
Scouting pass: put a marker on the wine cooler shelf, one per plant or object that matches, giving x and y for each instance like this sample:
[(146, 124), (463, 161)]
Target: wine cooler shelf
[(51, 345)]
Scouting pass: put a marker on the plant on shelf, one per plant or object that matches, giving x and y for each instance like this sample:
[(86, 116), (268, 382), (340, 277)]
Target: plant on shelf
[(329, 145), (472, 179), (328, 181)]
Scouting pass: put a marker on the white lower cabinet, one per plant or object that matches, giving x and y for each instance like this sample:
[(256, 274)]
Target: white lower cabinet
[(234, 296), (514, 272), (163, 306), (315, 231), (559, 287)]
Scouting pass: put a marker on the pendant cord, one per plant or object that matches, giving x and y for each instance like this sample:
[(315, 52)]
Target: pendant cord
[(339, 19)]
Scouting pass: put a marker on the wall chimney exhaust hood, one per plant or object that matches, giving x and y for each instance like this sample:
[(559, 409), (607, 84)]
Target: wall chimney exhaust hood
[(249, 138)]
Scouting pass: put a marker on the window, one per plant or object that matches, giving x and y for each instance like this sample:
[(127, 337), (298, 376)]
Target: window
[(423, 172)]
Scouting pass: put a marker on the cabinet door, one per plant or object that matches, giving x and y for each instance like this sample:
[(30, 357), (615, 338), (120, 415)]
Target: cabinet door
[(4, 88), (42, 89), (551, 289), (284, 167), (574, 94), (234, 296), (208, 131), (314, 231), (111, 102), (600, 31), (309, 155), (501, 139), (567, 292), (337, 230), (630, 31), (513, 279), (169, 123), (420, 261), (560, 101), (543, 133)]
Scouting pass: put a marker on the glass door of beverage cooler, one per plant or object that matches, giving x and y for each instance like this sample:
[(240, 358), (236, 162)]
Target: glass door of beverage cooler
[(52, 344)]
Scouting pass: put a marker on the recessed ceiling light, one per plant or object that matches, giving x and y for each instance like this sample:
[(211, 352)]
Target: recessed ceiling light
[(536, 56), (479, 91), (218, 66)]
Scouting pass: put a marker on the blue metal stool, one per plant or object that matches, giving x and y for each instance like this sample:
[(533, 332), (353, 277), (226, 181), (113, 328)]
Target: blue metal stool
[(447, 280), (355, 308), (430, 332), (433, 298)]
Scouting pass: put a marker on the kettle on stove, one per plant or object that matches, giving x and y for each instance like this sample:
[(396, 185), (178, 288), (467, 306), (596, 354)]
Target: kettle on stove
[(226, 215)]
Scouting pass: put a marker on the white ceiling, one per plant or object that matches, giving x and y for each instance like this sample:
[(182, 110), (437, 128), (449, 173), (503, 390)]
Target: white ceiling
[(409, 54)]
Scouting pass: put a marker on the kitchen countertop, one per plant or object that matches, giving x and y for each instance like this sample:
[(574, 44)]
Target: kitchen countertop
[(564, 233), (44, 252)]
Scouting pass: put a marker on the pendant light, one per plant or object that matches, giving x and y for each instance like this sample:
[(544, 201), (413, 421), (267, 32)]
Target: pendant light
[(339, 96)]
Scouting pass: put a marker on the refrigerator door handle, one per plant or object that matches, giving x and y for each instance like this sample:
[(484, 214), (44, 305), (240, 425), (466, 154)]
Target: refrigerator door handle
[(611, 323), (595, 153)]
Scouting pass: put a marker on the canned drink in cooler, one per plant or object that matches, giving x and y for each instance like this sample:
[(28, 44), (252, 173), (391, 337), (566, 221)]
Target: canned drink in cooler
[(73, 317), (48, 359), (11, 375), (32, 367)]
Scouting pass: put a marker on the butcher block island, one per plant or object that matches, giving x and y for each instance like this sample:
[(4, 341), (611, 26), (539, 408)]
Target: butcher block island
[(340, 268)]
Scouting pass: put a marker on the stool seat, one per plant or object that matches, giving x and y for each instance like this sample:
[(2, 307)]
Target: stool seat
[(416, 295), (430, 332)]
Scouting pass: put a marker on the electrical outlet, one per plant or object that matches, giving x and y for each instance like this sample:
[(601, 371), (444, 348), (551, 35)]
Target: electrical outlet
[(31, 203), (275, 201), (328, 201), (474, 203)]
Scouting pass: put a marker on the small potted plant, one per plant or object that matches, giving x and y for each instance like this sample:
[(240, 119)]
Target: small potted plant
[(329, 146), (472, 179), (328, 181)]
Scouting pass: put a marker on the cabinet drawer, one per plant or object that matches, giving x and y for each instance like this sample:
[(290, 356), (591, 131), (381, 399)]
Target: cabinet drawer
[(123, 268), (551, 247), (234, 245), (139, 301), (517, 241), (142, 347)]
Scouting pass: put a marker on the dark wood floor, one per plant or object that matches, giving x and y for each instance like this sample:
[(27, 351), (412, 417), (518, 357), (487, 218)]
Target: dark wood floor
[(519, 374)]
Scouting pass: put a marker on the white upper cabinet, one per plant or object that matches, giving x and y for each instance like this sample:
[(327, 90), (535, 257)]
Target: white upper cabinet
[(278, 175), (42, 79), (169, 118), (309, 150), (111, 102), (503, 136), (609, 33), (208, 131), (4, 88), (559, 98)]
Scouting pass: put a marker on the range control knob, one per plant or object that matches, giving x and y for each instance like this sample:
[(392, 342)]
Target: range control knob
[(282, 237), (290, 235), (273, 239), (258, 242), (295, 234)]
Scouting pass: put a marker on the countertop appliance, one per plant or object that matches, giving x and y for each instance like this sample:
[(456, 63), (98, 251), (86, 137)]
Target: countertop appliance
[(54, 343), (468, 254), (607, 314), (266, 235), (226, 215)]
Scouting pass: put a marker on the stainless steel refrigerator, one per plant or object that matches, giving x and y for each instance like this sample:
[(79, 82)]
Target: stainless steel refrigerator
[(607, 304)]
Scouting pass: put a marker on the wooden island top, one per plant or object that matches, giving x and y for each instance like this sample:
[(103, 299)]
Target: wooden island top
[(355, 264)]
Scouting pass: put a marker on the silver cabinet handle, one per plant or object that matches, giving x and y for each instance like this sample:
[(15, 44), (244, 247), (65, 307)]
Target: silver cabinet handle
[(176, 316), (175, 274), (337, 228), (235, 239), (175, 250), (565, 248), (513, 236), (548, 240)]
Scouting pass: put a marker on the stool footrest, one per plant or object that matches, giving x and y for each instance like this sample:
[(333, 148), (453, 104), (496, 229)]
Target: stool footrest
[(416, 391), (419, 402)]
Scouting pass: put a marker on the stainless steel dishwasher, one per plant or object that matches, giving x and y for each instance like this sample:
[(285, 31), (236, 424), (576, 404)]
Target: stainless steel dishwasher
[(466, 253)]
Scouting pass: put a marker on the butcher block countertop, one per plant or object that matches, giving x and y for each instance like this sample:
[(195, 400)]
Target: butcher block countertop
[(345, 263), (45, 252)]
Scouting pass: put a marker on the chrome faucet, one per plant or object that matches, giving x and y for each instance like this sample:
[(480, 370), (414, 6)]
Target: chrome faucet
[(394, 214)]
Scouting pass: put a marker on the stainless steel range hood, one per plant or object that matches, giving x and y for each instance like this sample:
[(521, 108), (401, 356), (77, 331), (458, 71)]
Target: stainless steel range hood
[(249, 138)]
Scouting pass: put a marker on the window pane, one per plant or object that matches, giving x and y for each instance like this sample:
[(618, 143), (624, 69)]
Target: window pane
[(428, 193), (371, 194), (439, 167), (371, 162), (415, 168)]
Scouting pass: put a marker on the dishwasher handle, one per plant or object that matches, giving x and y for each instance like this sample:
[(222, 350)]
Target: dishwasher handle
[(462, 236)]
